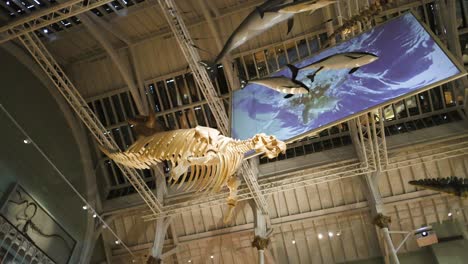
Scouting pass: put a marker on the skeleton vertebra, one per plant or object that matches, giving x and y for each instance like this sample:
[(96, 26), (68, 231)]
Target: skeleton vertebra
[(212, 158)]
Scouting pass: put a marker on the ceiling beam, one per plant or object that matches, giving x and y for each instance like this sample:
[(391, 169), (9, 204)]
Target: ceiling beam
[(121, 67)]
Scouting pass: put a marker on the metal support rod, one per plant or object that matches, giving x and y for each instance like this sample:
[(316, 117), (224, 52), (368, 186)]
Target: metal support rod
[(205, 84), (391, 248), (261, 256)]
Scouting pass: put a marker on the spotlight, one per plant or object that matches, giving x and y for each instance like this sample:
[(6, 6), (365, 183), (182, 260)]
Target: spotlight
[(117, 242), (425, 236), (330, 234), (320, 236), (189, 261), (94, 215), (212, 256), (294, 241), (449, 214), (85, 207), (27, 141), (45, 30)]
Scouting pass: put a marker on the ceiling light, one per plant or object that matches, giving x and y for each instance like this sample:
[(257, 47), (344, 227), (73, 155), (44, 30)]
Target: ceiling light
[(189, 261), (104, 226), (294, 241), (117, 242), (338, 233), (330, 234), (449, 214), (211, 256), (320, 236), (85, 207), (94, 215), (45, 30), (27, 141)]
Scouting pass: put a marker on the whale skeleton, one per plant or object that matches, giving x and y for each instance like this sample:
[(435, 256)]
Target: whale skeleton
[(201, 158)]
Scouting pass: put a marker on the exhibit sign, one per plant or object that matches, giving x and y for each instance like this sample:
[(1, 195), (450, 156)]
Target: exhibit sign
[(35, 223), (385, 64)]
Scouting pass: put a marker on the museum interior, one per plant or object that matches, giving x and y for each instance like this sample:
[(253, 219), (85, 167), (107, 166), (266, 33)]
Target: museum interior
[(234, 131)]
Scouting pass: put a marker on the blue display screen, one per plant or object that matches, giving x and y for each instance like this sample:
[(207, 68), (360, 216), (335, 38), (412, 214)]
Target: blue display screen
[(409, 60)]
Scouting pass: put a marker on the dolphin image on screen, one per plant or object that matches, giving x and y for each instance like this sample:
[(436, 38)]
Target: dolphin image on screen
[(282, 84), (349, 60)]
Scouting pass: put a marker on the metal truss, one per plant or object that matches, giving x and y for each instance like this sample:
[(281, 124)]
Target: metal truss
[(49, 16), (42, 56), (205, 84), (270, 185)]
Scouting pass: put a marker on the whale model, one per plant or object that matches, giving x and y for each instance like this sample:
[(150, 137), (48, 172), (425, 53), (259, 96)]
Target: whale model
[(302, 6), (349, 60), (281, 84), (261, 19)]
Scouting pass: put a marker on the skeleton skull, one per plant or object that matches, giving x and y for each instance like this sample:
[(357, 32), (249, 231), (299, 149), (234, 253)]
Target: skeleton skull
[(271, 146)]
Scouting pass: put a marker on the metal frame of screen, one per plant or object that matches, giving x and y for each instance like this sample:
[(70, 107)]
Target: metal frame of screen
[(326, 126)]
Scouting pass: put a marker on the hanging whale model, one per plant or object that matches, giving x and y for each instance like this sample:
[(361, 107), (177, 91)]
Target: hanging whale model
[(349, 60), (281, 84), (302, 6), (261, 19)]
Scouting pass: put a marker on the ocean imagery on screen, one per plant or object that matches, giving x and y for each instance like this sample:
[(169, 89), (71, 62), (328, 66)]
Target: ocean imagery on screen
[(408, 59)]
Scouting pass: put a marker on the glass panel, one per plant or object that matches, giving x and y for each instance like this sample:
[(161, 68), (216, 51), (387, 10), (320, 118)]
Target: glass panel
[(241, 69), (118, 138), (108, 109), (303, 50), (183, 90), (448, 96), (424, 102), (400, 110), (292, 51), (436, 98), (209, 116), (249, 63), (163, 95), (192, 121), (171, 121), (192, 87), (261, 63), (313, 44), (281, 56), (126, 105), (222, 81), (182, 120), (110, 173), (100, 112), (271, 59), (200, 118), (126, 135), (412, 105), (175, 100), (118, 108)]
